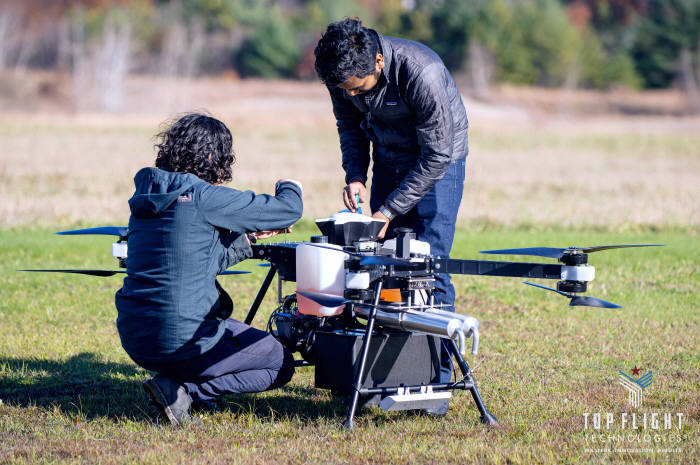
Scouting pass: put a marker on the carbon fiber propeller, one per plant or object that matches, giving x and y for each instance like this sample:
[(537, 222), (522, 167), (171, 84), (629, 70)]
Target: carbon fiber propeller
[(119, 231), (551, 252), (113, 272), (370, 259), (88, 272), (326, 300), (579, 300)]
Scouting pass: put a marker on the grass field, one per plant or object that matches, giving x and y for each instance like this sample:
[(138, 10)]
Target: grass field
[(69, 394)]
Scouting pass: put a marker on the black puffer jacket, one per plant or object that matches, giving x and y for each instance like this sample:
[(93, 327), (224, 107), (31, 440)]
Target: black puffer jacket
[(414, 118)]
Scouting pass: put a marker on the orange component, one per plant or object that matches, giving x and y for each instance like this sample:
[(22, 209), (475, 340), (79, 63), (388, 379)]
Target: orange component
[(390, 295)]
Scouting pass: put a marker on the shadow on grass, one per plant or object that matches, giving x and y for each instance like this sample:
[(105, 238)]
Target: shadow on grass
[(86, 387), (288, 402), (82, 386)]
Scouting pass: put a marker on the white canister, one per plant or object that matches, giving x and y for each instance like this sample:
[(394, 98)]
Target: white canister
[(320, 269)]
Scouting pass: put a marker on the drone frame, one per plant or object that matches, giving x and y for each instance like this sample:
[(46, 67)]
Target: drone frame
[(573, 274)]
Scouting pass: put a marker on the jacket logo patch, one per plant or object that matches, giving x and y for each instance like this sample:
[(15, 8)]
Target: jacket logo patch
[(391, 103), (185, 198)]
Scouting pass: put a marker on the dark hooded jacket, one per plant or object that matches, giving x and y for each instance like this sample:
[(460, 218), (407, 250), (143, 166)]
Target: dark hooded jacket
[(414, 117), (183, 231)]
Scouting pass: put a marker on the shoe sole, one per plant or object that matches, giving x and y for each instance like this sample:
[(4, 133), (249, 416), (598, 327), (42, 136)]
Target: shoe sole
[(155, 392)]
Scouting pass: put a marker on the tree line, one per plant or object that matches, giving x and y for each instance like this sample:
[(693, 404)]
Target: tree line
[(575, 43)]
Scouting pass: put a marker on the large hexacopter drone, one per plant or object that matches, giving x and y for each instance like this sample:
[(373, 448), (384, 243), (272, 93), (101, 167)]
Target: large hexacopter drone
[(364, 314)]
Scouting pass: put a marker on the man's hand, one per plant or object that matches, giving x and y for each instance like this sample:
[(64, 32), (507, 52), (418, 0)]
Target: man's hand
[(268, 234), (349, 195), (381, 216)]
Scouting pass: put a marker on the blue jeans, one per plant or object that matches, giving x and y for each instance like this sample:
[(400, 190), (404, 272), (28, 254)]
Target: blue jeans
[(244, 360), (433, 219)]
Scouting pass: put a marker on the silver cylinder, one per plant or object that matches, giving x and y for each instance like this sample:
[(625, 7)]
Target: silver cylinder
[(470, 325), (416, 321)]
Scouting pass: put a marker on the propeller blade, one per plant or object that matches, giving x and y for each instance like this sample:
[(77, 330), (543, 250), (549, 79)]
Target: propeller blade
[(113, 272), (120, 231), (606, 247), (88, 272), (549, 252), (547, 288), (370, 259), (326, 300), (383, 260), (579, 300), (585, 301)]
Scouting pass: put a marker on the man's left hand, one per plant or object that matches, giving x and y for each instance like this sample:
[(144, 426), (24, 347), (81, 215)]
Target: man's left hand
[(380, 216)]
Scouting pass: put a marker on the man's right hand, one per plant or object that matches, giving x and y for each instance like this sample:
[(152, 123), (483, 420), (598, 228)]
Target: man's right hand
[(349, 195)]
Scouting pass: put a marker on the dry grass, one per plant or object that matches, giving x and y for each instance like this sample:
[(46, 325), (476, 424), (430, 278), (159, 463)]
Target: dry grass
[(69, 394), (527, 165)]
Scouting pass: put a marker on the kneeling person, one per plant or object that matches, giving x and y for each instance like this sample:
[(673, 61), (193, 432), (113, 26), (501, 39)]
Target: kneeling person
[(185, 229)]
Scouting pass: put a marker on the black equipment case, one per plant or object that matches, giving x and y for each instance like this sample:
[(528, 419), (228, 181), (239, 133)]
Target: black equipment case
[(394, 359)]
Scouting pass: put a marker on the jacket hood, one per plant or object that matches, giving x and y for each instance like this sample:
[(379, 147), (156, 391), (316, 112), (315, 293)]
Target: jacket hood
[(157, 189)]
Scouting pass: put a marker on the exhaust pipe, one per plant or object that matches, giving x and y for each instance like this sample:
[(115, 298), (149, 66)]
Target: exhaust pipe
[(470, 325), (408, 320)]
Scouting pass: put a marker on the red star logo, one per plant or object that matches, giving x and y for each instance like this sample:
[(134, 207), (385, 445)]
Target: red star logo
[(635, 370)]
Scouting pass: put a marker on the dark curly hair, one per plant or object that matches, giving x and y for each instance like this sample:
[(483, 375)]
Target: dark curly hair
[(197, 144), (346, 49)]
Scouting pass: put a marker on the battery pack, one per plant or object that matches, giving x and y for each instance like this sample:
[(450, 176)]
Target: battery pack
[(394, 359)]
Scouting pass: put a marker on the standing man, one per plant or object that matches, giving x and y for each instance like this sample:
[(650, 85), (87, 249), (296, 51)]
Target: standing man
[(398, 95)]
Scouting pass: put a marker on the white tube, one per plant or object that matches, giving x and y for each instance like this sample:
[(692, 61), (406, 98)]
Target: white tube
[(470, 325)]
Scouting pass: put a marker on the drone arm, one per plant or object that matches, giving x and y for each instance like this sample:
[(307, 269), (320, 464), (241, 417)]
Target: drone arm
[(282, 256), (491, 268)]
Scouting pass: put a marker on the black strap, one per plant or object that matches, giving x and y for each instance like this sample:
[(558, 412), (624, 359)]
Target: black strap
[(224, 302)]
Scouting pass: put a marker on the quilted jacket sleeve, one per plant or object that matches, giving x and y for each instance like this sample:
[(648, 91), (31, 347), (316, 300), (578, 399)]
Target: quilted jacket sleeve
[(426, 93), (354, 143), (244, 211)]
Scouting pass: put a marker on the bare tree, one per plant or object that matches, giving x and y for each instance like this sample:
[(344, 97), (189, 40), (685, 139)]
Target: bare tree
[(571, 82), (180, 55), (79, 59), (112, 64), (182, 46), (63, 45), (689, 80), (25, 48), (481, 67), (10, 29)]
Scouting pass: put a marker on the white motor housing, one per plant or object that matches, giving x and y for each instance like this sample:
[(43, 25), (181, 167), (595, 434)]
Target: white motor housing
[(417, 247), (577, 273), (119, 250)]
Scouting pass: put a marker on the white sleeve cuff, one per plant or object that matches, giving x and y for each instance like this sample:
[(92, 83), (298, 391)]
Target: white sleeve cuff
[(296, 183)]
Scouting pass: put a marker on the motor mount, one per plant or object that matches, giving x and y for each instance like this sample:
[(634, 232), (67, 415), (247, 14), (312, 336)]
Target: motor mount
[(572, 286)]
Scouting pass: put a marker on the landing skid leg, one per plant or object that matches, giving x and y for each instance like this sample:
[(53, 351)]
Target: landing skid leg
[(359, 371), (486, 417), (261, 295)]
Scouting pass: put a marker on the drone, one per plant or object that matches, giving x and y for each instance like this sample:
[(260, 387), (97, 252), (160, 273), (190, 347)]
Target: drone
[(364, 312)]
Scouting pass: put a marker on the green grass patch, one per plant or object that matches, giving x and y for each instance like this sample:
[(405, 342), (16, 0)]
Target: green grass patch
[(70, 394)]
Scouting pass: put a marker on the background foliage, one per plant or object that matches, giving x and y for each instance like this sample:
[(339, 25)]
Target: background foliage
[(575, 43)]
